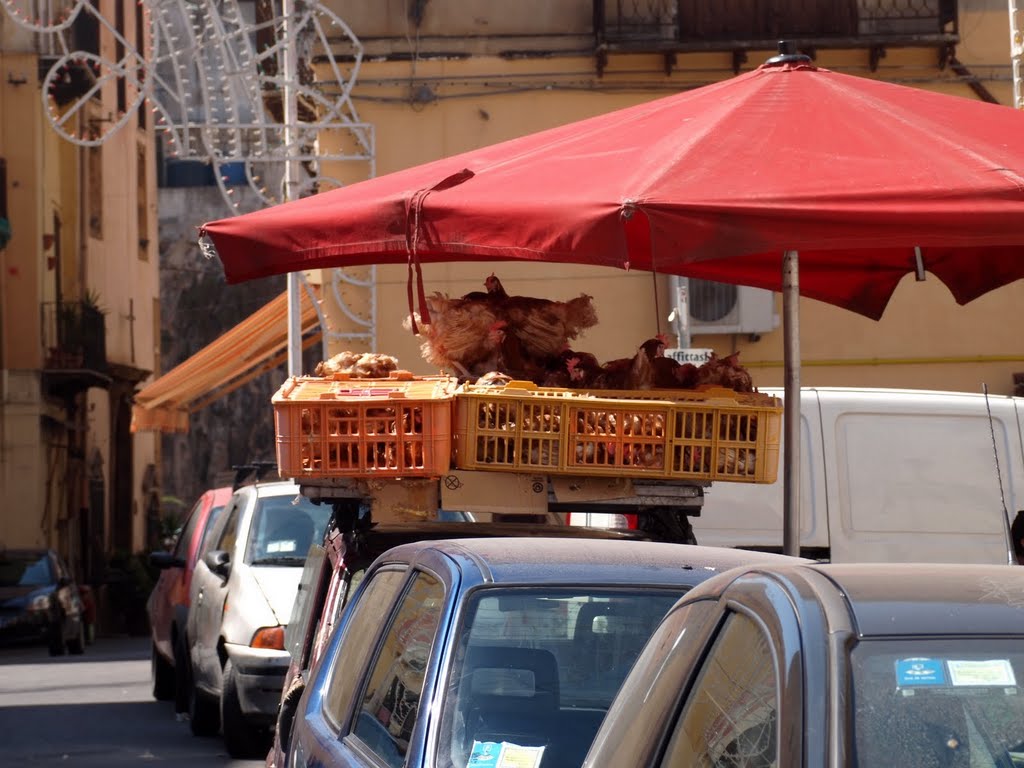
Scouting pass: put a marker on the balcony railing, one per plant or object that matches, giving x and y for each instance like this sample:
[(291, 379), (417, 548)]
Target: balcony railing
[(74, 337), (736, 25)]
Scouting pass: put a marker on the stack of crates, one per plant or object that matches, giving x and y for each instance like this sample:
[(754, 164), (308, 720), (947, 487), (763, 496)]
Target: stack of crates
[(710, 434), (361, 428)]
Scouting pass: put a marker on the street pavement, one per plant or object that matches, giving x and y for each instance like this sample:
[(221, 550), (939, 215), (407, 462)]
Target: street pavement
[(94, 710)]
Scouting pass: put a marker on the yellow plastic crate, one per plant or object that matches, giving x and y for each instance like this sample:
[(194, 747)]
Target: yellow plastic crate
[(344, 427), (710, 435)]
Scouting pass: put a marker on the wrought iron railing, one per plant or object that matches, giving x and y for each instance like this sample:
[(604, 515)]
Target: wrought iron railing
[(74, 336), (727, 24)]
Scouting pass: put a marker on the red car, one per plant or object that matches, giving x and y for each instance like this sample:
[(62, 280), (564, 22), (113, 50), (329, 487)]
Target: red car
[(168, 603)]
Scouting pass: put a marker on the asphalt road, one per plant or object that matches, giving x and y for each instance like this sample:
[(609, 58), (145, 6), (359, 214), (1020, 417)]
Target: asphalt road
[(94, 710)]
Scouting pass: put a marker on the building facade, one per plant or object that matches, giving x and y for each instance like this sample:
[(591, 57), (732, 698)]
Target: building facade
[(79, 310)]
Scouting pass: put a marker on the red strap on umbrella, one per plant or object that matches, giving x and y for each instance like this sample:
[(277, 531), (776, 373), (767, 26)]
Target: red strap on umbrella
[(412, 232)]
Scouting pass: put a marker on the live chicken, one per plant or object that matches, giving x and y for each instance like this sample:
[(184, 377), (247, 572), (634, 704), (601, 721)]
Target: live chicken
[(487, 331)]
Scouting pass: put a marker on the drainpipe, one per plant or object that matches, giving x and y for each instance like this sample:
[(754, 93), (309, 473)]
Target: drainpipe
[(680, 314)]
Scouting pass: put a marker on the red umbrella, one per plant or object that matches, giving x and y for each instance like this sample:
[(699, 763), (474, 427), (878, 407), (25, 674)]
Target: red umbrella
[(851, 172), (866, 180)]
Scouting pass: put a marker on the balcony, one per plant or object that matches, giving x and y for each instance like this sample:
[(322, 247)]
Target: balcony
[(74, 348), (738, 26)]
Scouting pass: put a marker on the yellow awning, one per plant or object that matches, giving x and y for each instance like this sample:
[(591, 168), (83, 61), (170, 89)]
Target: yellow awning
[(256, 345)]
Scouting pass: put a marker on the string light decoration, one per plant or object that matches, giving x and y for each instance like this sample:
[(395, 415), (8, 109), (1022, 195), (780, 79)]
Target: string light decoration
[(212, 83), (210, 78)]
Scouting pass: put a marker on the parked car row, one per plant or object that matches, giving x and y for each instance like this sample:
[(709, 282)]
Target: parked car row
[(467, 645), (218, 647)]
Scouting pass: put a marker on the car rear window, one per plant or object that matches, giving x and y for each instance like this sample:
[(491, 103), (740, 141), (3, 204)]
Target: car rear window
[(283, 528), (537, 669), (939, 702)]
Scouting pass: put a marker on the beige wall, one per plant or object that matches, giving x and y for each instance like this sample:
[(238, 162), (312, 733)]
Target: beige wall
[(924, 340), (45, 178)]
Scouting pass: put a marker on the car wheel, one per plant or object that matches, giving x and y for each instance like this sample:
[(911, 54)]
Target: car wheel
[(203, 715), (162, 674), (182, 681), (57, 646), (76, 645), (242, 738), (286, 712)]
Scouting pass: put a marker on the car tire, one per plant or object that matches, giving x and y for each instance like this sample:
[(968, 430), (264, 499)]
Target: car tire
[(241, 737), (203, 712), (182, 681), (57, 645), (162, 674), (76, 645)]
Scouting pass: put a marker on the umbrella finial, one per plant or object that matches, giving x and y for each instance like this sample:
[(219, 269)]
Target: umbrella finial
[(787, 55)]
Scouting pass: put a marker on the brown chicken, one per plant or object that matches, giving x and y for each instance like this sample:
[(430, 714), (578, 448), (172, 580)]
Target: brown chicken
[(626, 373), (462, 335), (725, 372), (543, 326), (365, 365), (492, 331)]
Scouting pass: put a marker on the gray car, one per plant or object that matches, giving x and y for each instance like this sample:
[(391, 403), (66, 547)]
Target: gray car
[(471, 652), (830, 665), (241, 596)]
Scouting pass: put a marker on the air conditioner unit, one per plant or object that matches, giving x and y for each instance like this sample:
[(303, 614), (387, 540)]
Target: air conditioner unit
[(725, 308)]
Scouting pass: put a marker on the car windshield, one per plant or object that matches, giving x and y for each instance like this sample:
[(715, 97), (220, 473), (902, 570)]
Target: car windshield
[(25, 570), (283, 528), (939, 702), (536, 669)]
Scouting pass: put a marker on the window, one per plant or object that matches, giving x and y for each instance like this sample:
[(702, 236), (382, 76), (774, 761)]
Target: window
[(226, 540), (390, 702), (938, 701), (283, 529), (538, 668), (181, 547), (729, 719), (368, 613)]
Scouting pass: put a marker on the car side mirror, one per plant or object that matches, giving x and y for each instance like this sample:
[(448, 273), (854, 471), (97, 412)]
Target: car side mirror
[(219, 562), (164, 560)]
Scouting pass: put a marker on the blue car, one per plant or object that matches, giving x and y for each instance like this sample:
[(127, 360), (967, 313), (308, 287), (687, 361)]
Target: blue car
[(477, 653), (40, 602)]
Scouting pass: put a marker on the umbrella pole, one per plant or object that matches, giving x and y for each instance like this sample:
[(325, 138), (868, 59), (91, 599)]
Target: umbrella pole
[(791, 414)]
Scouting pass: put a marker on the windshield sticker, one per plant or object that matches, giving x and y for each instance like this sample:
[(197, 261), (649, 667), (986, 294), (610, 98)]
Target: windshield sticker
[(491, 754), (920, 671), (996, 672)]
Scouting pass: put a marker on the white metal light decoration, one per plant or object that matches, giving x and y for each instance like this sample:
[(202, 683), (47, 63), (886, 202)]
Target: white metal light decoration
[(211, 75)]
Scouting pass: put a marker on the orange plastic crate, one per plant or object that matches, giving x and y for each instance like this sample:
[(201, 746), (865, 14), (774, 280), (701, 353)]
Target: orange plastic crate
[(709, 435), (344, 427)]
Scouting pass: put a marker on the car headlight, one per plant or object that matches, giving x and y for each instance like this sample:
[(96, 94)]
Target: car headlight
[(40, 603)]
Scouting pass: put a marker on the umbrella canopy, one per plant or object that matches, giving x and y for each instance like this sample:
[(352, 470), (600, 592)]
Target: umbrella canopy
[(866, 179)]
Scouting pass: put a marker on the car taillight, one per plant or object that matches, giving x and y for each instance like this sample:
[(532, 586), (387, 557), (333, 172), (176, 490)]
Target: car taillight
[(271, 638)]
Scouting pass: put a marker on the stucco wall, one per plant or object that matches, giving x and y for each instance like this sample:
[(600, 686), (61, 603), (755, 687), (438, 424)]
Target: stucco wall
[(437, 107)]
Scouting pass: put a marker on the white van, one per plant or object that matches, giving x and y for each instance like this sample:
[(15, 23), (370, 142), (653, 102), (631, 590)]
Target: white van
[(888, 475)]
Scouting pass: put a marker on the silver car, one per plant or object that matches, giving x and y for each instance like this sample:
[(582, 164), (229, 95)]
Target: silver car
[(241, 596)]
